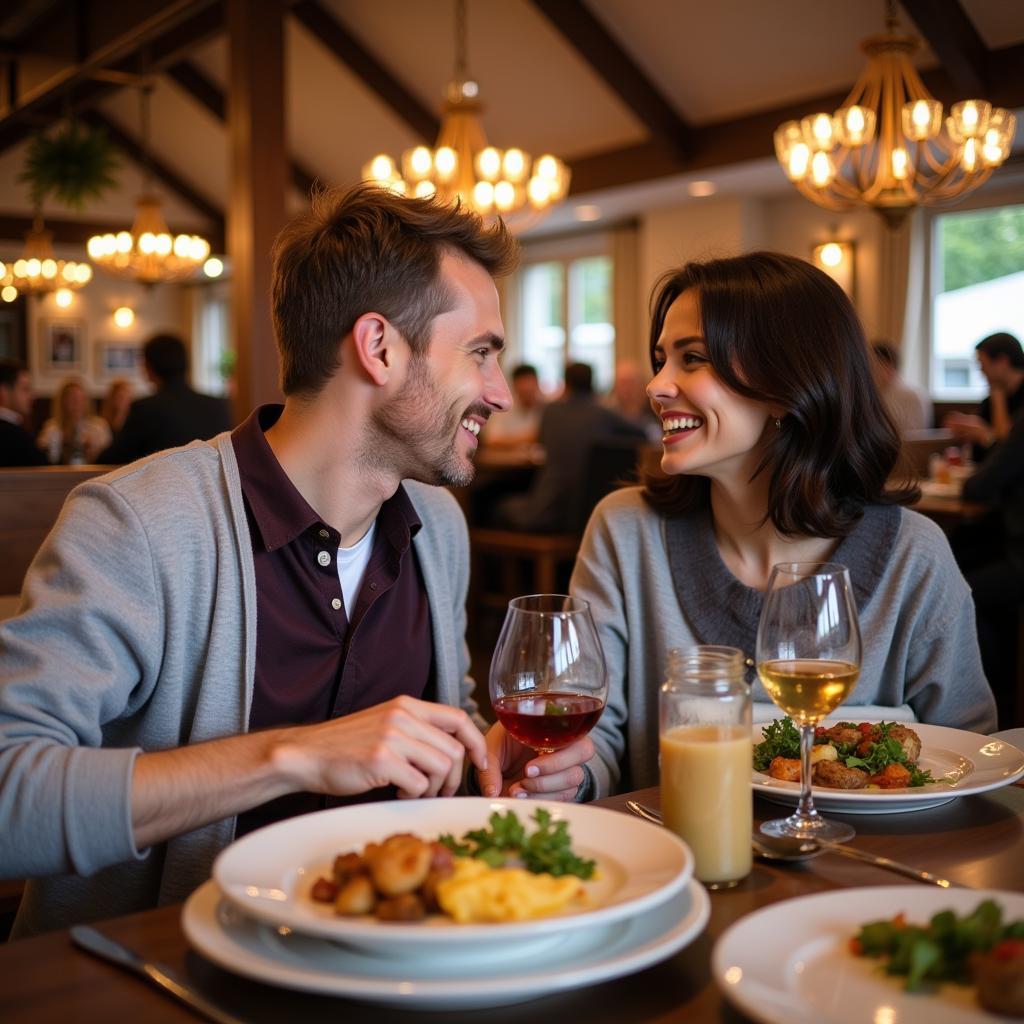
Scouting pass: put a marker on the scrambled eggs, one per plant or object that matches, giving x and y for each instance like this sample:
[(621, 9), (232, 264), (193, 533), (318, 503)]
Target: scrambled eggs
[(478, 894)]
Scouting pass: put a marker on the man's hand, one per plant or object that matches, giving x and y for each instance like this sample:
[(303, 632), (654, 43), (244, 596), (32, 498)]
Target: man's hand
[(416, 746), (515, 770), (411, 744), (966, 427)]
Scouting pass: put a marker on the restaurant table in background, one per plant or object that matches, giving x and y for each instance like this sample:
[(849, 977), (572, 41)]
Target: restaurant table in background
[(976, 841), (951, 512)]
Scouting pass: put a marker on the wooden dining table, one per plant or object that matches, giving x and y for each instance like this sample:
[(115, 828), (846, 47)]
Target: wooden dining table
[(976, 841)]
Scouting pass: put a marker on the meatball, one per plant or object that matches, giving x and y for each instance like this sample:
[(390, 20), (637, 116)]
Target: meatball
[(999, 975), (844, 735), (400, 864), (835, 775), (908, 739)]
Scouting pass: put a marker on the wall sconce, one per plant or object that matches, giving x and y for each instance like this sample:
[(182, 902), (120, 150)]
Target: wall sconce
[(837, 260), (124, 317)]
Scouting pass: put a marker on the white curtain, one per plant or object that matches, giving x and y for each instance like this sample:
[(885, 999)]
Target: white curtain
[(914, 338)]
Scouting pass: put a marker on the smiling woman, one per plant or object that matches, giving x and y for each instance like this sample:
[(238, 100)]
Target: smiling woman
[(776, 447)]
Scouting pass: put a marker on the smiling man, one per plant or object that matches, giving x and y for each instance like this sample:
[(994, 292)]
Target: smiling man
[(223, 635)]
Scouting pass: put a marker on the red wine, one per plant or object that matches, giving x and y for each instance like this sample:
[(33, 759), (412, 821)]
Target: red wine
[(547, 721)]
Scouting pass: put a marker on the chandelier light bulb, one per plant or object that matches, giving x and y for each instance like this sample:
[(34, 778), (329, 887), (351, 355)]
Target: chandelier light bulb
[(900, 163), (822, 169), (488, 164), (504, 196), (83, 273), (419, 161), (445, 163), (8, 293), (48, 268), (213, 267), (63, 297), (969, 156), (424, 189)]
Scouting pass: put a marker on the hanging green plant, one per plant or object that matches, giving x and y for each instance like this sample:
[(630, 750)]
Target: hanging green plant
[(74, 164)]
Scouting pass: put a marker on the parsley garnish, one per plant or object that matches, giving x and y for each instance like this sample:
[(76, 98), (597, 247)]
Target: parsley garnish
[(548, 849), (781, 739)]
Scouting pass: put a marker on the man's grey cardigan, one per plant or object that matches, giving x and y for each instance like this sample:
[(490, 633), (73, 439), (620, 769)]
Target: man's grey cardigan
[(137, 631)]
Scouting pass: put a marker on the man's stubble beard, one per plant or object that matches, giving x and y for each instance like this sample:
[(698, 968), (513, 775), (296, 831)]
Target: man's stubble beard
[(415, 437)]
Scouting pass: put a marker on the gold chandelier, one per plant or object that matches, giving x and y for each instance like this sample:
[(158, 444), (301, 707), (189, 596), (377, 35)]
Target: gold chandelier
[(37, 271), (148, 252), (462, 166), (885, 147)]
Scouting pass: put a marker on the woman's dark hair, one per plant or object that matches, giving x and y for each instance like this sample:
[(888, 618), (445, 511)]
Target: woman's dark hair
[(780, 331), (366, 249)]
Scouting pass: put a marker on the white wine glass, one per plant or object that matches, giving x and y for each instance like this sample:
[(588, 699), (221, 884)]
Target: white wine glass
[(548, 681), (808, 657)]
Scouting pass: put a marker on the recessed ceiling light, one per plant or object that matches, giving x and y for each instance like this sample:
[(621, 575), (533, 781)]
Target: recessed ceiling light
[(700, 189), (587, 212)]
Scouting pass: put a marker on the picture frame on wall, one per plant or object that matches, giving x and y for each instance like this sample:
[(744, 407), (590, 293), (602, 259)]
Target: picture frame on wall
[(118, 359), (63, 346)]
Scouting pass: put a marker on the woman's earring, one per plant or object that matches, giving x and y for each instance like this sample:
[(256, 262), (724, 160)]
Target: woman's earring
[(778, 423)]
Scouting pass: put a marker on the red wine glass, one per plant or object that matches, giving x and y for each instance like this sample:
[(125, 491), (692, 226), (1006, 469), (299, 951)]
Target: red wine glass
[(548, 679)]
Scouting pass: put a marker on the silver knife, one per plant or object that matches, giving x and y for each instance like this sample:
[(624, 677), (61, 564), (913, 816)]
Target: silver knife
[(162, 976)]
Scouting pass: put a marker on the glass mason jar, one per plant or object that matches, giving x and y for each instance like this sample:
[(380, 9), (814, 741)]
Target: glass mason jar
[(706, 752)]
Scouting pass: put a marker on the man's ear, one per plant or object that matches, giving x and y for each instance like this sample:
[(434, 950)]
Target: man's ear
[(375, 343)]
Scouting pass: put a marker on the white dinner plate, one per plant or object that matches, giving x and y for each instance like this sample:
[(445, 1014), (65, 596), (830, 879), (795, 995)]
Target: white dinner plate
[(218, 930), (790, 963), (967, 761), (268, 874)]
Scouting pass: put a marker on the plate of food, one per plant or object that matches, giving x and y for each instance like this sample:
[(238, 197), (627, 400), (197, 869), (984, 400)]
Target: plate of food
[(428, 876), (885, 954), (880, 767), (275, 956)]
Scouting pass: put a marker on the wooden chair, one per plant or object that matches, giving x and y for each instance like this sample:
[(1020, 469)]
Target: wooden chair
[(508, 563), (30, 501)]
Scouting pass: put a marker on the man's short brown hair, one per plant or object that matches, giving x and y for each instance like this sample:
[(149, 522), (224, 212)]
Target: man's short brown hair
[(364, 250)]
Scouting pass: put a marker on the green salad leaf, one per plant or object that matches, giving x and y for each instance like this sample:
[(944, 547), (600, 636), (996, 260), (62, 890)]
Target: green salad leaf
[(781, 739), (547, 849)]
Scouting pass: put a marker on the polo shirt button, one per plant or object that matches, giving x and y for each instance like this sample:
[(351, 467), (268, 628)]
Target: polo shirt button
[(324, 558), (324, 534), (336, 603)]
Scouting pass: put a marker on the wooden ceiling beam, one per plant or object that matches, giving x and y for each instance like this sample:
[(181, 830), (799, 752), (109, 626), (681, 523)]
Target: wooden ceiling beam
[(78, 232), (164, 174), (165, 36), (750, 137), (956, 42), (603, 52), (205, 91), (326, 28)]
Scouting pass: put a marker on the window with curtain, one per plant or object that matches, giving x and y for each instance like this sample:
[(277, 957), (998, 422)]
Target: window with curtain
[(977, 290), (565, 312), (211, 337)]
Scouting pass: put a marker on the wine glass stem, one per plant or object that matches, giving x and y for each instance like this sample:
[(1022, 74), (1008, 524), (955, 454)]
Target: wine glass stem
[(806, 809)]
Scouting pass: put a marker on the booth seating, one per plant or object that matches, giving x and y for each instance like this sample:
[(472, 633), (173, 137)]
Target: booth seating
[(30, 501)]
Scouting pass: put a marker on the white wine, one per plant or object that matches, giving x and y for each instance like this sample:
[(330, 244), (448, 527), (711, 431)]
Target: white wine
[(808, 689)]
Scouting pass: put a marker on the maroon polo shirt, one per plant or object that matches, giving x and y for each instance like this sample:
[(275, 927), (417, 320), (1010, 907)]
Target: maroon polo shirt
[(314, 662)]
